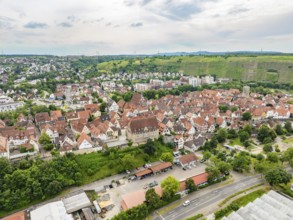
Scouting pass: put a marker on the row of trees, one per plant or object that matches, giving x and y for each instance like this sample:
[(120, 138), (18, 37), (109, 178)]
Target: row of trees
[(264, 134), (271, 167)]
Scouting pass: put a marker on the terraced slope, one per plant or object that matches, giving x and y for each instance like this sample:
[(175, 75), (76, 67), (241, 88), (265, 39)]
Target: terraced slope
[(260, 68)]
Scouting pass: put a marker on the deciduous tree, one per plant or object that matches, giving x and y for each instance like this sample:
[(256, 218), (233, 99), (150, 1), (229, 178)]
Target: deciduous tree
[(167, 157), (152, 199), (277, 176), (190, 185), (170, 186)]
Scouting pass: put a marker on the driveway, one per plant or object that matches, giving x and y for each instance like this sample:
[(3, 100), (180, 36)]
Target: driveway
[(117, 193)]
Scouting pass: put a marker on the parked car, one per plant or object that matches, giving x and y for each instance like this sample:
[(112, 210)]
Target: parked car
[(186, 203), (176, 154), (202, 160), (127, 171), (153, 184), (147, 165), (131, 178), (292, 187)]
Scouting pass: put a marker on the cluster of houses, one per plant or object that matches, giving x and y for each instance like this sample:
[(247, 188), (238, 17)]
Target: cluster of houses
[(8, 104), (187, 120)]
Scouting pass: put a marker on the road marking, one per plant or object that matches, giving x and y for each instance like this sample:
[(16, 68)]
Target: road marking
[(207, 198)]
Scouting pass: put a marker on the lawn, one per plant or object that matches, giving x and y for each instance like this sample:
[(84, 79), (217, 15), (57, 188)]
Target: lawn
[(288, 140), (238, 193), (235, 141), (98, 165)]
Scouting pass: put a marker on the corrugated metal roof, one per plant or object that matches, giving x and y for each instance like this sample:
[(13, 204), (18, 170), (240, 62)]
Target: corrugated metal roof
[(76, 202), (51, 211), (271, 206)]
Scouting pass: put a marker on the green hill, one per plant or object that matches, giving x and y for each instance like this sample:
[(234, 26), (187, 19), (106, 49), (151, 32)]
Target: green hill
[(246, 68)]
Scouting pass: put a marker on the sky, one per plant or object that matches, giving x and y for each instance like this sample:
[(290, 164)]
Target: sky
[(103, 27)]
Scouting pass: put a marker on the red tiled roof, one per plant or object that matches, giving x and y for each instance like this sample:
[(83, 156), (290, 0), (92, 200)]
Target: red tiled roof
[(56, 114), (91, 107), (133, 199), (199, 121), (42, 117), (82, 137), (186, 159), (140, 123), (160, 166), (143, 172), (16, 216), (83, 114), (198, 179)]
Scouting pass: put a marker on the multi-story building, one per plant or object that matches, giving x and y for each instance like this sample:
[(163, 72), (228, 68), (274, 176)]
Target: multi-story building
[(140, 129)]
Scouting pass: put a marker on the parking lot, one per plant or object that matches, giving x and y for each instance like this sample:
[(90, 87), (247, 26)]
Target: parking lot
[(131, 186)]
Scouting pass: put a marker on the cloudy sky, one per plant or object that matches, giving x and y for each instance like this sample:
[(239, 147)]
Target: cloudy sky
[(94, 27)]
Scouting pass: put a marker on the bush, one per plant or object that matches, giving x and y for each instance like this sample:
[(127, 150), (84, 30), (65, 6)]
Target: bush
[(260, 157), (198, 216), (268, 148), (242, 201), (223, 212), (246, 143), (22, 149), (90, 172), (48, 147)]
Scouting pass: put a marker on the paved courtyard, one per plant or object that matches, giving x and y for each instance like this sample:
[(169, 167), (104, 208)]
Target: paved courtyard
[(117, 193)]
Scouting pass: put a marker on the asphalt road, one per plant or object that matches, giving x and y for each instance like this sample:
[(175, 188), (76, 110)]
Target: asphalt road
[(213, 196)]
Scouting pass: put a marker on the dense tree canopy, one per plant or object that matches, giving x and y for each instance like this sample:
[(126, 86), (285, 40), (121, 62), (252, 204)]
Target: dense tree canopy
[(152, 198), (213, 173), (40, 180), (246, 116), (288, 127), (265, 134), (149, 148), (277, 176), (167, 157), (222, 135), (190, 185), (170, 186), (241, 162)]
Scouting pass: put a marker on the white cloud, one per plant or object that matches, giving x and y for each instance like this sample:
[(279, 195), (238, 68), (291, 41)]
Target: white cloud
[(107, 26)]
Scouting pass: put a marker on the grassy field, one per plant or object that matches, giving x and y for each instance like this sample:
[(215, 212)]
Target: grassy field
[(236, 141), (288, 141), (260, 68), (95, 166)]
